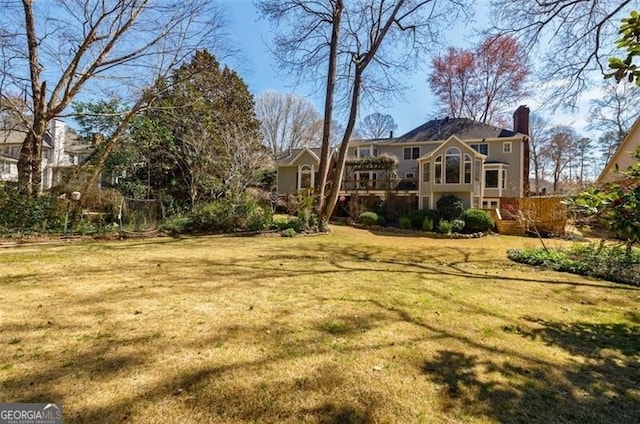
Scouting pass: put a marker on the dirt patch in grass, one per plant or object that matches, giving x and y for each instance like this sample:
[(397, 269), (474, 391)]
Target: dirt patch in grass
[(347, 328)]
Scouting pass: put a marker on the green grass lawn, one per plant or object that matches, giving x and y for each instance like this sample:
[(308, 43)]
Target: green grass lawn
[(353, 327)]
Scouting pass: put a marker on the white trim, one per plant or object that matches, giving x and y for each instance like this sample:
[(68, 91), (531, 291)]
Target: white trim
[(310, 171)]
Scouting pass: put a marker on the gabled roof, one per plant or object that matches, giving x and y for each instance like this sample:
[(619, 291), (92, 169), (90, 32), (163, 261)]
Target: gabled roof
[(294, 154), (623, 156), (463, 128), (448, 143)]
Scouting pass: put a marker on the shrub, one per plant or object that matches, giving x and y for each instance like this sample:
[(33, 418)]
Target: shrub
[(445, 227), (457, 225), (259, 218), (218, 215), (368, 218), (288, 232), (477, 220), (176, 224), (405, 222), (20, 213), (427, 224), (417, 217), (450, 207)]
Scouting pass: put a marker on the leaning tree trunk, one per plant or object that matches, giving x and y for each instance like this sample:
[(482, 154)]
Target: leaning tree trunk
[(325, 158)]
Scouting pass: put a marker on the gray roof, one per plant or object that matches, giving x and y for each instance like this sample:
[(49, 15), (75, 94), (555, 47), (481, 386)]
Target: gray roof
[(16, 137), (463, 128), (295, 152)]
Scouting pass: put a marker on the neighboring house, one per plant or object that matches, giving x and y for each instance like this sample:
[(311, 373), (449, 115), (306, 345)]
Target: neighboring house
[(483, 165), (623, 157), (61, 149), (298, 170)]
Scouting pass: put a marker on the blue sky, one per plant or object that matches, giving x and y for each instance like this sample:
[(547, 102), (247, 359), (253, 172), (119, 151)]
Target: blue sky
[(251, 35)]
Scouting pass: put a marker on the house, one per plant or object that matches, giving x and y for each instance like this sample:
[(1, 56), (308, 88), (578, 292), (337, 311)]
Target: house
[(61, 149), (623, 157), (483, 165)]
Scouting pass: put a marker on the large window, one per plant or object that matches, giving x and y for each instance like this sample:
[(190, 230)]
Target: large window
[(491, 178), (411, 153), (306, 176), (480, 148), (452, 166)]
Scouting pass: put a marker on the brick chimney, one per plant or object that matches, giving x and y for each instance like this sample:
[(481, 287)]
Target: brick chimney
[(521, 120), (521, 125)]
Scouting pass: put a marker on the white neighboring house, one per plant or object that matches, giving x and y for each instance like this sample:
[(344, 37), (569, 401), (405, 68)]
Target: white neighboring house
[(61, 149)]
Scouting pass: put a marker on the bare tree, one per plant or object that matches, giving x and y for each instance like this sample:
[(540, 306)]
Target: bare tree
[(559, 151), (51, 56), (572, 38), (539, 132), (350, 39), (288, 122), (377, 125), (613, 115)]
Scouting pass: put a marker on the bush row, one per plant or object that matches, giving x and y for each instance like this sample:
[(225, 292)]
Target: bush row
[(614, 263), (470, 221)]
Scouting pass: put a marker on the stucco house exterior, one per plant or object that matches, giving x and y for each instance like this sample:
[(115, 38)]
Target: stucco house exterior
[(483, 165), (61, 149), (623, 157)]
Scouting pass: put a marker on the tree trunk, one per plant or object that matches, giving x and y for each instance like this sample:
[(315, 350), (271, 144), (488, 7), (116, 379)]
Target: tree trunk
[(328, 115), (344, 146)]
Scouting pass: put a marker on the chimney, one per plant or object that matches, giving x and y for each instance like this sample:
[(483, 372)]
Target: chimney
[(391, 134), (521, 125), (521, 120)]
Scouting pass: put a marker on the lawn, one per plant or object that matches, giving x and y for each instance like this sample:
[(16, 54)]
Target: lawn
[(353, 327)]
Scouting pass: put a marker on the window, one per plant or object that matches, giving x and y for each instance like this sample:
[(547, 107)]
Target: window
[(306, 177), (481, 148), (409, 175), (425, 202), (476, 171), (367, 179), (411, 153), (365, 152), (506, 147), (467, 169), (426, 171), (452, 166), (490, 204), (437, 174), (5, 167), (504, 179), (491, 178)]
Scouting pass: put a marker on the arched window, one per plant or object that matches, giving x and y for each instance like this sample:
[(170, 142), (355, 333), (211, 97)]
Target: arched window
[(437, 172), (452, 166), (306, 177), (467, 169)]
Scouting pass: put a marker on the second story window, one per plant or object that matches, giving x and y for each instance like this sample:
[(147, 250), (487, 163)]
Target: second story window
[(365, 152), (480, 148), (506, 147), (452, 166), (411, 153)]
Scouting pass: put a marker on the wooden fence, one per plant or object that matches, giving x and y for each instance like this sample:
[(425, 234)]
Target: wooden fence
[(546, 215)]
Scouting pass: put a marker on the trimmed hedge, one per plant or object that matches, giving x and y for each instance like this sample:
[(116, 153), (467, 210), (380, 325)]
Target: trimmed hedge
[(477, 220)]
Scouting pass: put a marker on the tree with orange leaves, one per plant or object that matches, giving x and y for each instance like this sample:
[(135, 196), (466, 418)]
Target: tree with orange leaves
[(480, 83)]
